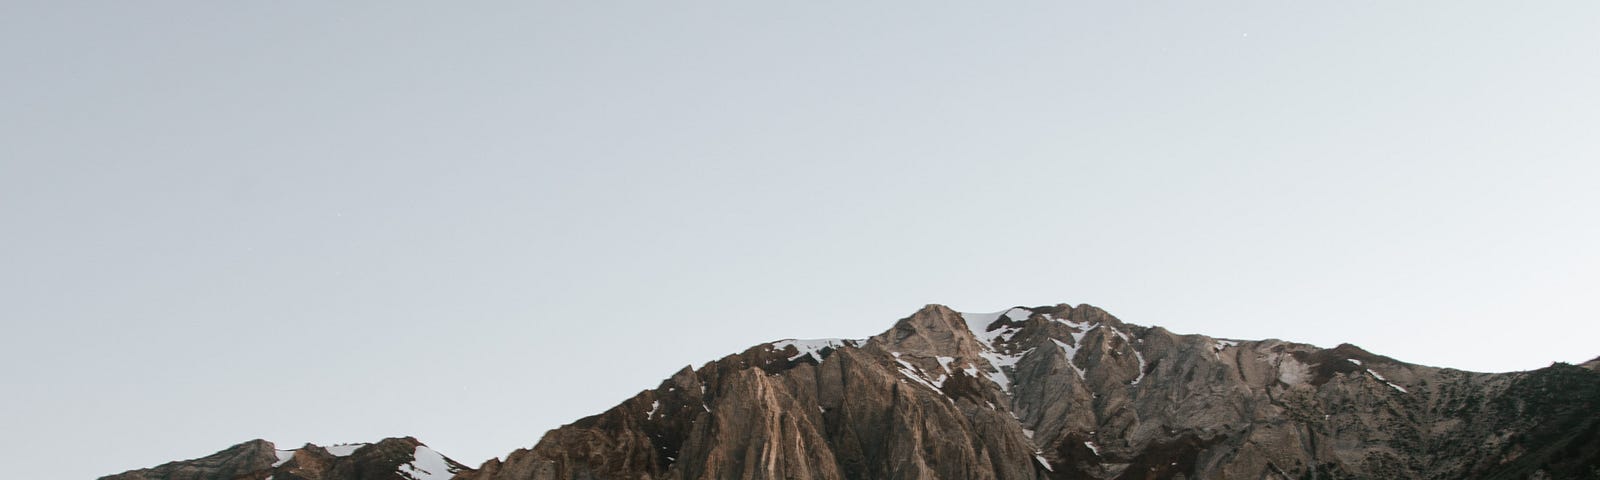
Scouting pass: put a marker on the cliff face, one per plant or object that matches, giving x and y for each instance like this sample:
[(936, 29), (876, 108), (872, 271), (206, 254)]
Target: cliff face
[(1043, 393), (1065, 393), (389, 459)]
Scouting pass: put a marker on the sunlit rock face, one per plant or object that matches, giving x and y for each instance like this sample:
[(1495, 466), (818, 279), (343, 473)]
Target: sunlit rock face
[(1067, 392)]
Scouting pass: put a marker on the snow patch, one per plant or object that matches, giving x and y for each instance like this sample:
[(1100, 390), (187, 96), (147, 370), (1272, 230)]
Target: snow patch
[(912, 372), (283, 457), (813, 347), (1019, 314), (1387, 382), (427, 464), (979, 324), (1136, 354), (1042, 461), (1092, 447), (343, 450), (1072, 352), (655, 406), (1140, 356), (1220, 345), (1079, 325), (1352, 360), (1000, 362)]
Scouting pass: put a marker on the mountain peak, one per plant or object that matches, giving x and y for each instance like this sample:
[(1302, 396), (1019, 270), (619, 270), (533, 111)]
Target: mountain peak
[(934, 330)]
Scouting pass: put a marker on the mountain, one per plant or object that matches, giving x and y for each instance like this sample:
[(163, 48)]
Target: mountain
[(1056, 392), (389, 459), (1072, 392)]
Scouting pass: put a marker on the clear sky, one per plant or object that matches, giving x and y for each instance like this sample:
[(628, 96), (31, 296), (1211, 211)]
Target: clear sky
[(472, 222)]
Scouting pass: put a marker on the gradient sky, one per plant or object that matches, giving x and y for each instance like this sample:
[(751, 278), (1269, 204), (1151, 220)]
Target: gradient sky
[(472, 222)]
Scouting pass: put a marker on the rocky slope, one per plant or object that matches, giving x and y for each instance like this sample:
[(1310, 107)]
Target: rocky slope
[(389, 459), (1040, 393)]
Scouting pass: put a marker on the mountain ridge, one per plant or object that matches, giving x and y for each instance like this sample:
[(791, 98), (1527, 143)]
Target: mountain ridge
[(1058, 392), (397, 458)]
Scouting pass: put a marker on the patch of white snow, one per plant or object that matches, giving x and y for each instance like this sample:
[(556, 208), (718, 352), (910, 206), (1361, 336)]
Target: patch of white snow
[(344, 450), (1136, 354), (1071, 351), (1140, 356), (1019, 314), (914, 373), (427, 464), (979, 324), (1387, 382), (1216, 350), (1044, 462), (813, 347)]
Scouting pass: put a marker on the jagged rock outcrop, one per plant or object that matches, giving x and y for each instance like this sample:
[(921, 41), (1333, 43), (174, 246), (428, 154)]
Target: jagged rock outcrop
[(1072, 392), (389, 459)]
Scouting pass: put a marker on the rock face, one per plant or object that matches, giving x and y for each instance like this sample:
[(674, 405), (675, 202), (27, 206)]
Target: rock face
[(1046, 393), (1073, 393), (389, 459)]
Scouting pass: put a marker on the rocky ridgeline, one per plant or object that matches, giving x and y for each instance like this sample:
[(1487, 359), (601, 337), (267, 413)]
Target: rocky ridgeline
[(388, 459), (1043, 393)]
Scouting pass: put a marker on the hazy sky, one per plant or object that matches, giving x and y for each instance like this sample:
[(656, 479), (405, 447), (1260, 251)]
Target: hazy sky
[(473, 222)]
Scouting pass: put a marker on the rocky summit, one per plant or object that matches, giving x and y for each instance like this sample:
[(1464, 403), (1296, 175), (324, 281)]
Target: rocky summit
[(1056, 392)]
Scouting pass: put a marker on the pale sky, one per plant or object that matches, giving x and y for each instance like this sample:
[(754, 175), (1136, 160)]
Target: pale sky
[(472, 222)]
